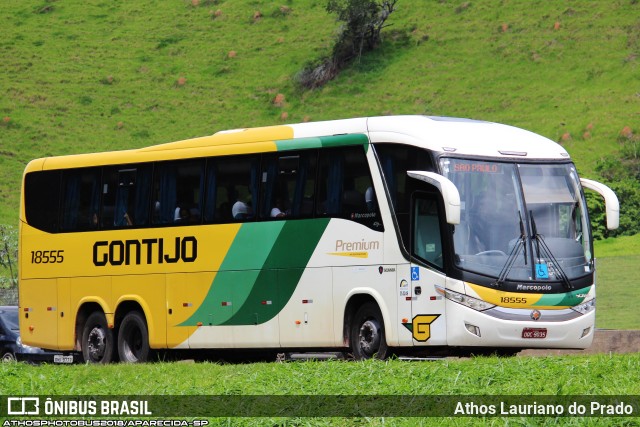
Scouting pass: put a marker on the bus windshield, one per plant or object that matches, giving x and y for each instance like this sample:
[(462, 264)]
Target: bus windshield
[(520, 221)]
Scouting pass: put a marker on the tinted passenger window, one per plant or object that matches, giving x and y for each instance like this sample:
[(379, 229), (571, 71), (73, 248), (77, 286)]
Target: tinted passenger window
[(231, 189), (42, 197), (396, 160), (177, 194), (126, 196), (288, 185), (80, 199), (345, 189)]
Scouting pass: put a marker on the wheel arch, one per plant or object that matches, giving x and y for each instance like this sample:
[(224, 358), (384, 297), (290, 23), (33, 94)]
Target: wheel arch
[(129, 303), (125, 307), (84, 311), (354, 301)]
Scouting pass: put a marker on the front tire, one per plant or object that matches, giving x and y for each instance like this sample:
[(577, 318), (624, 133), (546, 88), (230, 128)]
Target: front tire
[(133, 338), (367, 336), (8, 357), (97, 339)]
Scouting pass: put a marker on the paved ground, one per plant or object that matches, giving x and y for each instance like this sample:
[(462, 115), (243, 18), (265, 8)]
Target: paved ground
[(604, 341)]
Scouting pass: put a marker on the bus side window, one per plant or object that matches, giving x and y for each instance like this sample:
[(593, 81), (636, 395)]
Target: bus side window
[(126, 193), (288, 185), (42, 198), (347, 189), (231, 189), (395, 160), (81, 199), (177, 192)]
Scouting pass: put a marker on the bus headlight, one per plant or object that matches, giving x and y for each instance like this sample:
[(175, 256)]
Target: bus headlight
[(465, 300), (586, 307)]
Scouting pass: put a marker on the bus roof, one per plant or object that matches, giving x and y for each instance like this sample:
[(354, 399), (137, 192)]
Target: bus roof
[(446, 134), (440, 134)]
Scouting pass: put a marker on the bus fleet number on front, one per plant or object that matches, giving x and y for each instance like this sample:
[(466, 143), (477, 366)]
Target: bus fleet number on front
[(513, 300), (47, 257)]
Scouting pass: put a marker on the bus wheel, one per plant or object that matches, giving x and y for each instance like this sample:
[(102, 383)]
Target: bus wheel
[(133, 338), (97, 339), (367, 335)]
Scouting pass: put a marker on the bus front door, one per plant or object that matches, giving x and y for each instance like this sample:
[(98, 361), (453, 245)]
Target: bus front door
[(428, 325)]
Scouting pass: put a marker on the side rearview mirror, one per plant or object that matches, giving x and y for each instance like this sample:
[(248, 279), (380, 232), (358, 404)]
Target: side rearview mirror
[(612, 206), (449, 192)]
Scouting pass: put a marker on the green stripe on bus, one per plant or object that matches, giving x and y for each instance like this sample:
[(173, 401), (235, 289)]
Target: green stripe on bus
[(259, 273), (238, 272), (323, 141), (568, 299), (281, 272)]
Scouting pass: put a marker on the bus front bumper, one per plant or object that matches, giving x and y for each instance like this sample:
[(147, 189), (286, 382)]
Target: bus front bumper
[(468, 327)]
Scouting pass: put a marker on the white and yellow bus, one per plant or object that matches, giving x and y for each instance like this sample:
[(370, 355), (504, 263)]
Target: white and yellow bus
[(360, 235)]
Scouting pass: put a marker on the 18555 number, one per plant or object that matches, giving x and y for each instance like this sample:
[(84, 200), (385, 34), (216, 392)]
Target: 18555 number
[(47, 257), (513, 300)]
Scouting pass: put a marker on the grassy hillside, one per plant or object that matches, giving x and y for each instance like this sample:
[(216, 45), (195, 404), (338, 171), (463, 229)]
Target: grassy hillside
[(617, 262), (91, 75)]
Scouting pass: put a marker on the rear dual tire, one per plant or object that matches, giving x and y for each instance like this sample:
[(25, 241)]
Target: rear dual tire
[(98, 343), (133, 338)]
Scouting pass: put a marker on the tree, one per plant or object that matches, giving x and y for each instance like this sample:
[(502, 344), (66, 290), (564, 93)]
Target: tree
[(621, 171), (362, 24), (8, 257), (363, 20)]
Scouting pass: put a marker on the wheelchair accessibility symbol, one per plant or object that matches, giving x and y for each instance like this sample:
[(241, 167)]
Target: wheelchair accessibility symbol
[(542, 271), (415, 273)]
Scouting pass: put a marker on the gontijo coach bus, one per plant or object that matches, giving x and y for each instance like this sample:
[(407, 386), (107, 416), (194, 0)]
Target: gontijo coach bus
[(362, 235)]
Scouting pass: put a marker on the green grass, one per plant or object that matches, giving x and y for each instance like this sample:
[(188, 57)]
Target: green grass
[(619, 246), (617, 286), (525, 376), (617, 262)]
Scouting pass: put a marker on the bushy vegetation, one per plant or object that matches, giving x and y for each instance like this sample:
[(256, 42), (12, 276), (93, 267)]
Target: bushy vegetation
[(622, 172), (360, 32), (8, 257)]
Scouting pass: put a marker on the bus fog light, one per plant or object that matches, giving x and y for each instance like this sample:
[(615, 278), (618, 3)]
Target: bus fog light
[(586, 332), (472, 328)]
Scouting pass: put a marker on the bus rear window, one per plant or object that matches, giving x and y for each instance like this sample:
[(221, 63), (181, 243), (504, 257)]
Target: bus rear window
[(42, 195)]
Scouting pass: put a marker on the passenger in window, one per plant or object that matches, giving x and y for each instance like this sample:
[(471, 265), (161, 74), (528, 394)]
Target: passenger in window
[(240, 210), (156, 212), (278, 210), (184, 216), (94, 221), (126, 220)]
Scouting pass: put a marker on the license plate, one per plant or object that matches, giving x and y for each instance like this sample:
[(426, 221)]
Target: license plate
[(534, 333), (61, 358)]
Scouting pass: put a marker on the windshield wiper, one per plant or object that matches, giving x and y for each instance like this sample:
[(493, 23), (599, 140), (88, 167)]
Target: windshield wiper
[(541, 247), (511, 259)]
